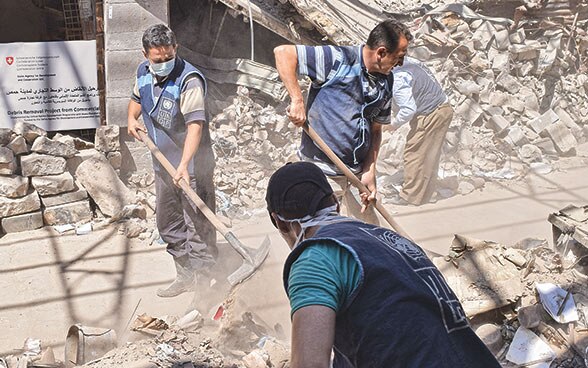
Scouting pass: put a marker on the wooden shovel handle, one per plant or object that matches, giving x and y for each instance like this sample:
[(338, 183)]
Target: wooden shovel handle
[(352, 178), (185, 186)]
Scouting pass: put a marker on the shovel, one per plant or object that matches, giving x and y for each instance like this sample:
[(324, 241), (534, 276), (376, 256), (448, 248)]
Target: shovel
[(352, 178), (252, 258)]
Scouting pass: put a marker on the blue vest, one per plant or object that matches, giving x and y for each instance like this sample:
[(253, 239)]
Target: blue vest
[(403, 314), (340, 113), (164, 121)]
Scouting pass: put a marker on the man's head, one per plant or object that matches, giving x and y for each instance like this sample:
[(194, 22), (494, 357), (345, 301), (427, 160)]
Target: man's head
[(159, 47), (386, 46), (294, 191)]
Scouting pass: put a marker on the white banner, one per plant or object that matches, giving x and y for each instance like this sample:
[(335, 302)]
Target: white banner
[(50, 84)]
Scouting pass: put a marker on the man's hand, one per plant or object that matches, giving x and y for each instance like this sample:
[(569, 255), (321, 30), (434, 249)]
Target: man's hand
[(133, 125), (369, 180), (181, 173), (296, 112)]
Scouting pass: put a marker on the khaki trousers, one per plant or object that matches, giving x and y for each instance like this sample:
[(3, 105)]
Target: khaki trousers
[(422, 152), (348, 197)]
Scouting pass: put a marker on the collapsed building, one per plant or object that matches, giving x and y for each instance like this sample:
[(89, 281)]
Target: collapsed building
[(515, 73)]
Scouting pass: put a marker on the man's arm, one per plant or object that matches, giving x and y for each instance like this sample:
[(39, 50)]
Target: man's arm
[(287, 63), (404, 100), (192, 107), (133, 113), (368, 176), (191, 144), (313, 335)]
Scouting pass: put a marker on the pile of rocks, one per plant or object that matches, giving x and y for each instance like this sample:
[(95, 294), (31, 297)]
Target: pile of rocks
[(250, 142), (50, 181), (519, 94)]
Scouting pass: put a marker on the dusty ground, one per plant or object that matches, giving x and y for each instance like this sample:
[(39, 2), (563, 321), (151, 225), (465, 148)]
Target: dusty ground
[(52, 281)]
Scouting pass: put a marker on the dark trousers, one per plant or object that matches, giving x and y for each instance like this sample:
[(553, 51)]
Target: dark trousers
[(182, 226)]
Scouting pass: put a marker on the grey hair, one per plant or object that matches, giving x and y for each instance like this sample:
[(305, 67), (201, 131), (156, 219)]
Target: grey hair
[(158, 35)]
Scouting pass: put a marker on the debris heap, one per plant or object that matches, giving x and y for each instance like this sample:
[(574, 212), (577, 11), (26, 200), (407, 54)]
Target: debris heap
[(519, 94), (50, 181)]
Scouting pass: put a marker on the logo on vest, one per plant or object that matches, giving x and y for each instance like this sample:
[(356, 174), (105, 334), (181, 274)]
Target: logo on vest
[(165, 114)]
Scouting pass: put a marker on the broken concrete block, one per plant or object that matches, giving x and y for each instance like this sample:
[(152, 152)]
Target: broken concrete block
[(469, 110), (483, 35), (539, 124), (530, 316), (73, 162), (569, 122), (501, 40), (518, 36), (107, 138), (16, 206), (69, 213), (75, 142), (103, 185), (498, 98), (508, 83), (53, 184), (465, 188), (420, 53), (501, 62), (18, 145), (525, 68), (39, 165), (30, 132), (529, 98), (6, 136), (25, 222), (13, 186), (546, 146), (115, 159), (467, 87), (516, 136), (526, 51), (50, 147), (497, 123), (530, 153), (491, 337), (78, 194), (561, 136), (6, 155), (8, 168)]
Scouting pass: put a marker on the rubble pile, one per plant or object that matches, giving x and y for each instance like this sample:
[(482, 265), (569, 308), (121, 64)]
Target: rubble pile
[(250, 142), (58, 181), (519, 94), (527, 302), (184, 342)]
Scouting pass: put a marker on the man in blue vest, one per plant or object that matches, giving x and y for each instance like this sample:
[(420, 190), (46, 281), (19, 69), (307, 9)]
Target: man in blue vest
[(348, 102), (169, 94), (362, 291)]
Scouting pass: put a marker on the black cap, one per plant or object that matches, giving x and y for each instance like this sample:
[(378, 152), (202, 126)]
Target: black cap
[(296, 190)]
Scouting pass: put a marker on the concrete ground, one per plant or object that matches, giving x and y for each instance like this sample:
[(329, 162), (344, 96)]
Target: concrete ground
[(51, 281)]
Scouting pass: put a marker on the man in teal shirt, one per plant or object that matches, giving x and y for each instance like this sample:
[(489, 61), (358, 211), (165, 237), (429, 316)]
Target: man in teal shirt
[(362, 291)]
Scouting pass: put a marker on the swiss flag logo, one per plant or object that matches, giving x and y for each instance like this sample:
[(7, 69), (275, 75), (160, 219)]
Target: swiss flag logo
[(9, 60)]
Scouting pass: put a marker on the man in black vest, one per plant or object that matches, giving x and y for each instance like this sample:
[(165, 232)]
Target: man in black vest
[(362, 291), (169, 94)]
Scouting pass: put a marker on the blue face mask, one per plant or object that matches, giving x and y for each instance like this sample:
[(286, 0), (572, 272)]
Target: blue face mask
[(163, 69)]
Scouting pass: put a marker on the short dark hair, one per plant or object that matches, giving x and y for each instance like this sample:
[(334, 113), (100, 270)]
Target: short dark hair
[(158, 35), (387, 34), (298, 189)]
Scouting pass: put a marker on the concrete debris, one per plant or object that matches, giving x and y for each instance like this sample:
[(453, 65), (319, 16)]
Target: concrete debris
[(250, 142), (103, 184), (51, 170), (533, 291), (506, 106)]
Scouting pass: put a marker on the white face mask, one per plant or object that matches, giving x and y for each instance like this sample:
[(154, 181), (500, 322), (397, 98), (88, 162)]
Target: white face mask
[(163, 69), (325, 216)]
